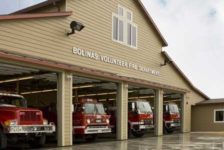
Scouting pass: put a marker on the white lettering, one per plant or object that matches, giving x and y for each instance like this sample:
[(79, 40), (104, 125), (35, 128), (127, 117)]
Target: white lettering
[(110, 60)]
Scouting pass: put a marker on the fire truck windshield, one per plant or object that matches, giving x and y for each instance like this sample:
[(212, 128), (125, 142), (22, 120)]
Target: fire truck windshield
[(91, 108), (100, 109), (143, 107), (173, 108), (12, 101)]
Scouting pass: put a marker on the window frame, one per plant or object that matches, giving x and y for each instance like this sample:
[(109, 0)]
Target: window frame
[(125, 20), (215, 110), (133, 25), (119, 18)]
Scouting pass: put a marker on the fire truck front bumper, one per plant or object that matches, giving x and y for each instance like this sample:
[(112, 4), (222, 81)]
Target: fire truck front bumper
[(92, 130), (173, 124), (146, 126), (141, 126), (26, 129)]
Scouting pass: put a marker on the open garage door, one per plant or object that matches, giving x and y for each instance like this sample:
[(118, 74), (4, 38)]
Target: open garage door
[(172, 112), (140, 111), (25, 95), (94, 116)]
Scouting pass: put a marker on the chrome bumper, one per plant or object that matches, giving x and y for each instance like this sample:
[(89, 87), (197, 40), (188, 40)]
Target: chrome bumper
[(146, 126), (171, 124), (31, 129), (175, 125), (92, 130)]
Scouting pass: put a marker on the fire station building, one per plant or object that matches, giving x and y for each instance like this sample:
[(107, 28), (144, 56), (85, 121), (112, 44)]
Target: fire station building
[(60, 50)]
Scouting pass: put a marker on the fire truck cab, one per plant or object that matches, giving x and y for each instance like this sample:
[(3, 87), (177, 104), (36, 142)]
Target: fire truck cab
[(171, 117), (90, 119), (19, 123), (140, 117)]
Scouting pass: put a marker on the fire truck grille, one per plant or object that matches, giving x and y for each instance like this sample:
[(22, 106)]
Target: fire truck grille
[(148, 121), (30, 116)]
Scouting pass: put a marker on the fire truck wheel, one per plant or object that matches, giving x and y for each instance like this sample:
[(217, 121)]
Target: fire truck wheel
[(169, 130), (138, 133), (38, 141), (3, 140), (90, 138)]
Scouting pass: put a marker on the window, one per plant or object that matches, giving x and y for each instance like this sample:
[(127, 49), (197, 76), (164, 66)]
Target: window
[(219, 116), (144, 107), (13, 101), (173, 108), (124, 30)]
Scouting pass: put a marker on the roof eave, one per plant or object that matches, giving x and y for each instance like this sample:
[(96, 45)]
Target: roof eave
[(199, 104), (35, 15)]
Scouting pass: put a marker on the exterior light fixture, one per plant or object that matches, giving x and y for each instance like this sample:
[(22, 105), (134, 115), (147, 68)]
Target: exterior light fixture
[(75, 26)]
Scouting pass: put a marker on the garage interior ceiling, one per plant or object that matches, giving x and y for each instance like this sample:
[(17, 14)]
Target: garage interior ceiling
[(14, 77), (30, 81), (10, 70)]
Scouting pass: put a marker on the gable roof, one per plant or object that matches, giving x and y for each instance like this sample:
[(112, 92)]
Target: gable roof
[(212, 101), (169, 59), (50, 2)]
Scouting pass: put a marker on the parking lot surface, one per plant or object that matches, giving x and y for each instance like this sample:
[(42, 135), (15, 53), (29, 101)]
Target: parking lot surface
[(187, 141)]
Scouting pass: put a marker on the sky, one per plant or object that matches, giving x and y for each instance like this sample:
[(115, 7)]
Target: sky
[(8, 6), (194, 30)]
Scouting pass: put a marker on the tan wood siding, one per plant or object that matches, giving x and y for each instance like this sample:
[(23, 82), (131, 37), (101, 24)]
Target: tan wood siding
[(203, 118), (46, 38)]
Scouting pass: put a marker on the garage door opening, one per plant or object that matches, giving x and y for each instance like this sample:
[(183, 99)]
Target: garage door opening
[(33, 89), (172, 112), (94, 115), (140, 111)]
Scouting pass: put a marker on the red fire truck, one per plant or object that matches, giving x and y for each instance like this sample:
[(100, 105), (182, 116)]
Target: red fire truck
[(89, 119), (171, 117), (19, 123), (140, 117)]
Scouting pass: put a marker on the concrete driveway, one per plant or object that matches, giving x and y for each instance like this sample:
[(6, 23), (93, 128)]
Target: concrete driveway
[(188, 141)]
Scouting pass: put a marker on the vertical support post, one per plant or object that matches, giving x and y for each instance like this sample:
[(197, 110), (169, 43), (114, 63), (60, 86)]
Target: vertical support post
[(122, 111), (159, 112), (64, 109), (185, 114)]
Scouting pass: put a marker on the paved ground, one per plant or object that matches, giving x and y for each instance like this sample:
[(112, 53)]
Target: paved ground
[(189, 141)]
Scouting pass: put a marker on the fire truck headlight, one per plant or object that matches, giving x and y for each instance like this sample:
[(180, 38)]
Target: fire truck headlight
[(141, 121), (10, 122), (45, 122), (88, 121), (107, 121)]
